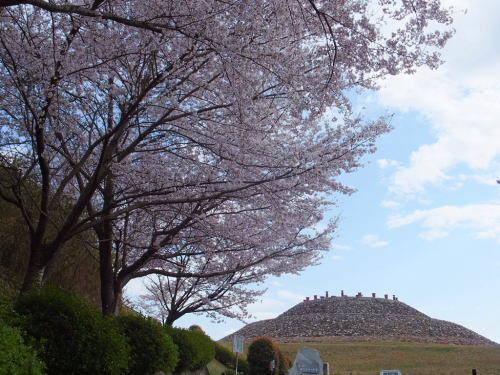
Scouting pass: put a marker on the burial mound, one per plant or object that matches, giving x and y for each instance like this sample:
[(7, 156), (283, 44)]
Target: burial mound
[(331, 318)]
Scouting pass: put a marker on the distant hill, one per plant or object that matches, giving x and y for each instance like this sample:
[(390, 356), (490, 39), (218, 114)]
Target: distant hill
[(360, 318)]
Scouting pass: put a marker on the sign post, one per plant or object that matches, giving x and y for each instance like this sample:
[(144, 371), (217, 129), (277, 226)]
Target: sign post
[(272, 366), (238, 342)]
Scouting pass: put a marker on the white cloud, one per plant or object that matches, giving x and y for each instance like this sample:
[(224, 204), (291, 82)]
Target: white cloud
[(373, 240), (135, 288), (384, 163), (273, 304), (336, 258), (340, 247), (482, 219), (390, 204), (484, 179), (460, 100)]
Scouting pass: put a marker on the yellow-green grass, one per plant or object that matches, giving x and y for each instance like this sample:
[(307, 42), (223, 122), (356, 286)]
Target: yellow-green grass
[(368, 358), (410, 358), (217, 368)]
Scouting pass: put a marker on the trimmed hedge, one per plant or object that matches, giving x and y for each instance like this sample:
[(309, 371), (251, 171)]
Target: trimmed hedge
[(152, 349), (196, 349), (71, 337), (228, 359), (196, 327), (224, 355), (16, 358), (260, 354)]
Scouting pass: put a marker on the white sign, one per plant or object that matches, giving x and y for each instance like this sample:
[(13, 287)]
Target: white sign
[(238, 342), (390, 372)]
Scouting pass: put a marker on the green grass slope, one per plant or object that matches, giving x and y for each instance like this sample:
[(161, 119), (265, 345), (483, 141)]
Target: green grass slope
[(410, 358), (217, 368)]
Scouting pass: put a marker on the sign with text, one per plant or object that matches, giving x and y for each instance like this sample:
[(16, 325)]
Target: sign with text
[(238, 342)]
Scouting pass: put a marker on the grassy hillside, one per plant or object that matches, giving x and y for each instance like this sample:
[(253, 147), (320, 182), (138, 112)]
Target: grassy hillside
[(411, 359), (75, 268), (217, 368), (363, 358)]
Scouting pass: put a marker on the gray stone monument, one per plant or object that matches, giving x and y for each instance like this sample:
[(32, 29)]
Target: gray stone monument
[(307, 361)]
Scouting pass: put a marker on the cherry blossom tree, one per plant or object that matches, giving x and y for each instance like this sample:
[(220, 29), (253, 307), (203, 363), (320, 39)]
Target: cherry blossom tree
[(166, 121), (170, 298)]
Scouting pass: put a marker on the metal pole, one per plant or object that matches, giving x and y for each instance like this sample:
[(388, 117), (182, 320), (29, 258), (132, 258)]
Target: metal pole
[(236, 370)]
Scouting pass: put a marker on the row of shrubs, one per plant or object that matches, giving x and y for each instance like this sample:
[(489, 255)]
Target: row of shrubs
[(261, 352), (228, 359), (55, 333), (266, 358)]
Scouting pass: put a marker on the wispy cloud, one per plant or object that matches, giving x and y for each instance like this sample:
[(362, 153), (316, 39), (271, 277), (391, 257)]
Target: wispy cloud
[(393, 205), (336, 258), (482, 219), (136, 288), (384, 163), (274, 303), (373, 240), (340, 247)]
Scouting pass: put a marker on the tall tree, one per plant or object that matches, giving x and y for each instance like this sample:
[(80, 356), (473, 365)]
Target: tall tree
[(191, 117), (170, 298)]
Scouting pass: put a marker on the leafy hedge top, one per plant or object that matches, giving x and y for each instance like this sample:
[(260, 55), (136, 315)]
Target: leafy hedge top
[(71, 336), (260, 354), (196, 349), (228, 359), (16, 358), (152, 349)]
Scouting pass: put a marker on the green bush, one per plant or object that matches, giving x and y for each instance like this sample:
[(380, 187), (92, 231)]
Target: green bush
[(16, 358), (7, 312), (284, 362), (224, 355), (196, 327), (260, 354), (152, 349), (228, 358), (70, 336), (243, 366), (195, 348)]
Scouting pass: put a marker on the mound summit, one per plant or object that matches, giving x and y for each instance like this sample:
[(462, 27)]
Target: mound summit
[(331, 318)]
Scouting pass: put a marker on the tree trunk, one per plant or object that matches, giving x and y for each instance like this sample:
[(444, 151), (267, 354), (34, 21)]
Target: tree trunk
[(37, 265), (111, 288), (170, 320), (117, 302), (33, 277), (111, 294), (106, 273)]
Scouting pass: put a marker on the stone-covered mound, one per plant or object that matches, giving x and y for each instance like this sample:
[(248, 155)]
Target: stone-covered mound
[(360, 319)]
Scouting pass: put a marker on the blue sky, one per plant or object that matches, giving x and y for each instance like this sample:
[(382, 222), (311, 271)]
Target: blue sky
[(425, 221)]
